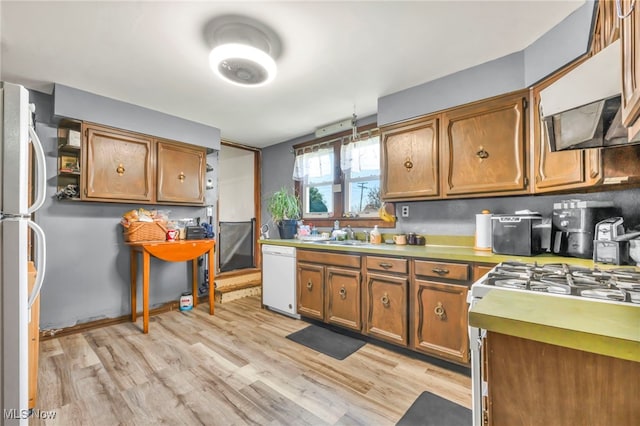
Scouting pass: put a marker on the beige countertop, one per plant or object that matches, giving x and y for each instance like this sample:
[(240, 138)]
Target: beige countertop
[(442, 248), (603, 328)]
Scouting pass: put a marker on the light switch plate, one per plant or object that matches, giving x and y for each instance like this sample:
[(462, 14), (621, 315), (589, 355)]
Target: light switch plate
[(405, 211)]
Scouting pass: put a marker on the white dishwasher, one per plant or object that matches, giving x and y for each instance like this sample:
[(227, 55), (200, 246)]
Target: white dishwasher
[(279, 279)]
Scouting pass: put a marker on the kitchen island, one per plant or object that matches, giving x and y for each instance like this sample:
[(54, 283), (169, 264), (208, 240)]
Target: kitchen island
[(557, 360)]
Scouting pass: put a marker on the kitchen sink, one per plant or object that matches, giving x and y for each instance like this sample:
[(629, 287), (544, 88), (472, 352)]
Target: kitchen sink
[(343, 243)]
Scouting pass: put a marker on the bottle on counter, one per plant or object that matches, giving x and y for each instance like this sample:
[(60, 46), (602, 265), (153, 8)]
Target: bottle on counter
[(376, 236)]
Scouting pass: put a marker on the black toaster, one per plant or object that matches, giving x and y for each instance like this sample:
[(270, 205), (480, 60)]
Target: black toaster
[(519, 235)]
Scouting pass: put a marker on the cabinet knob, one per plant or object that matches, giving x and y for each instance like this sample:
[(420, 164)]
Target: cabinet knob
[(408, 164), (309, 285), (343, 293), (385, 300), (482, 154), (181, 176), (120, 169), (440, 312)]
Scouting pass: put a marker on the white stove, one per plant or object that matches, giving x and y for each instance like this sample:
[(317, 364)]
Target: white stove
[(618, 286)]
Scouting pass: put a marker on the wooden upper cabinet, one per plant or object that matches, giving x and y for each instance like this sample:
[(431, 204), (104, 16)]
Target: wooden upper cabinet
[(560, 170), (410, 160), (117, 166), (630, 38), (607, 26), (180, 173), (483, 147)]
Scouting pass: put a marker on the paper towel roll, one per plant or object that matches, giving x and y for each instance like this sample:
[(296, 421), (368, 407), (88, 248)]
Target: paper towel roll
[(483, 231)]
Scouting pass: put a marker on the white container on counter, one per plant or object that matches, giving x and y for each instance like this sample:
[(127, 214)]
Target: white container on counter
[(483, 231)]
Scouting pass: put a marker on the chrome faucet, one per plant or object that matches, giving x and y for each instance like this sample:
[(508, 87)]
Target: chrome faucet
[(350, 234)]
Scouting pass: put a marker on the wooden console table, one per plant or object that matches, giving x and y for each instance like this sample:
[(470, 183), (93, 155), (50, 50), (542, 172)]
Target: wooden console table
[(170, 251)]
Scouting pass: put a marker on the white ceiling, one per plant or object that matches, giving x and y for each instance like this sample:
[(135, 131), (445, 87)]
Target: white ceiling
[(336, 55)]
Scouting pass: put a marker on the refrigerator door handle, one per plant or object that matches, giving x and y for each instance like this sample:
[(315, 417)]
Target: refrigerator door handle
[(41, 172), (41, 260)]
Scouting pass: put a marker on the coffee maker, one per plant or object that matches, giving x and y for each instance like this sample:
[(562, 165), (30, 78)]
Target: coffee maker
[(573, 226)]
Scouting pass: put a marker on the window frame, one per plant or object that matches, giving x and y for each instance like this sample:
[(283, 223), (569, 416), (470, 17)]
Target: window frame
[(339, 179)]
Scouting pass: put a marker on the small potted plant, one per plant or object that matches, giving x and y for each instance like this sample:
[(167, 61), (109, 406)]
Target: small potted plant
[(284, 208)]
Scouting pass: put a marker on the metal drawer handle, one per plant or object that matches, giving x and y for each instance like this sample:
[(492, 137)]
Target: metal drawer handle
[(120, 169), (309, 285), (408, 164), (440, 312), (482, 154), (181, 176), (343, 293), (440, 271), (385, 265), (619, 9), (385, 300)]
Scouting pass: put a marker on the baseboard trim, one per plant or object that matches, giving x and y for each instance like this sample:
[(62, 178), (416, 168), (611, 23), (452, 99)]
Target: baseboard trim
[(91, 325)]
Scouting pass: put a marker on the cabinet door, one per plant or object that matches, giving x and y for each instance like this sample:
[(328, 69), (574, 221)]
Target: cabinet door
[(555, 171), (386, 308), (34, 338), (440, 320), (117, 166), (630, 38), (483, 147), (410, 161), (310, 290), (181, 173), (343, 297)]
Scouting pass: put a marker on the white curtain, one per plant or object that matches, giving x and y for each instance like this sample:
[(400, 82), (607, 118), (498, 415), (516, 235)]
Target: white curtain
[(315, 164), (360, 156)]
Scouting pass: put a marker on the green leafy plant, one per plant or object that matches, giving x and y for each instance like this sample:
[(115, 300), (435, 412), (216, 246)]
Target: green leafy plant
[(283, 205)]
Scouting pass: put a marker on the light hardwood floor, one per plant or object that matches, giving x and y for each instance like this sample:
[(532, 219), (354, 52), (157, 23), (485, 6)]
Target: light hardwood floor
[(234, 368)]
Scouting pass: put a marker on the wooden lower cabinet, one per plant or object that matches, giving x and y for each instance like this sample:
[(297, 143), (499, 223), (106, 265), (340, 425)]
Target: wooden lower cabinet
[(310, 286), (343, 297), (34, 339), (534, 383), (480, 270), (328, 287), (440, 320), (385, 307)]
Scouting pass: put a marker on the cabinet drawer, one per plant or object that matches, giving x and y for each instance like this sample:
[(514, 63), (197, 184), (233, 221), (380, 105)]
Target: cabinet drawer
[(326, 258), (451, 271), (387, 264)]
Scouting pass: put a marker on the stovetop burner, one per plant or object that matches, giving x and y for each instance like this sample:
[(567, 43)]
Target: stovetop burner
[(621, 285)]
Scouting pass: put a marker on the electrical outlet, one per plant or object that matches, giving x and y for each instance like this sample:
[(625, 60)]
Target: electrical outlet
[(405, 211), (209, 210)]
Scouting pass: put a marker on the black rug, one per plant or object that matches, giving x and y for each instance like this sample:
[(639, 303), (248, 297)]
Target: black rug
[(432, 410), (326, 341)]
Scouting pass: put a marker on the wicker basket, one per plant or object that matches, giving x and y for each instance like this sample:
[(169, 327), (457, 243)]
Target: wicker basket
[(145, 231)]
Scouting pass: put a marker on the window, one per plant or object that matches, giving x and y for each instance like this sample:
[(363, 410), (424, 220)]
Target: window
[(340, 179), (314, 168), (360, 164)]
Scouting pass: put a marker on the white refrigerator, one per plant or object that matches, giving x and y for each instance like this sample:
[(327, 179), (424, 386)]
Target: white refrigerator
[(20, 149)]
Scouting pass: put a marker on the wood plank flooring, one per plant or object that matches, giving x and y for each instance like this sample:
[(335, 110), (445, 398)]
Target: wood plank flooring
[(234, 368)]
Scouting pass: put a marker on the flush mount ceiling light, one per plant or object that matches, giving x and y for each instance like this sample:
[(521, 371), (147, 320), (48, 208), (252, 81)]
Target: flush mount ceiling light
[(243, 50)]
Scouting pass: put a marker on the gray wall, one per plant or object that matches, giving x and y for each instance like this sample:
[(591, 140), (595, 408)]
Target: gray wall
[(562, 44), (457, 217), (87, 269), (85, 106)]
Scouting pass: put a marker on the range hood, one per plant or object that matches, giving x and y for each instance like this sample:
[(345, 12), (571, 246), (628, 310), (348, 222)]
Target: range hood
[(582, 109)]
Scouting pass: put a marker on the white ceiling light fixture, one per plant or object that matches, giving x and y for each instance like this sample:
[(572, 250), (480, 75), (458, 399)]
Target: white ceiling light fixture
[(244, 51)]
